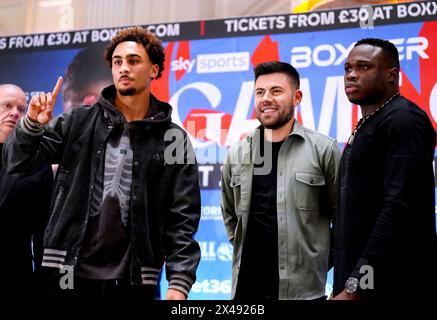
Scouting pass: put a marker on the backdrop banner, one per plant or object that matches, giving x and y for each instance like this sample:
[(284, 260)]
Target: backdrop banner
[(208, 79)]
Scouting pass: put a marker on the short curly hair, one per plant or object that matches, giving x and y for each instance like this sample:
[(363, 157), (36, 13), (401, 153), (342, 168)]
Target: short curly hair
[(142, 36)]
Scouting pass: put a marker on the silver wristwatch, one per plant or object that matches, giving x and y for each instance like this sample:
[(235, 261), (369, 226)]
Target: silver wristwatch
[(351, 285)]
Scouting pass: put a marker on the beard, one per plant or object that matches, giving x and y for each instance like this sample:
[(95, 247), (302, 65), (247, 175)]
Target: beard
[(127, 92), (282, 120)]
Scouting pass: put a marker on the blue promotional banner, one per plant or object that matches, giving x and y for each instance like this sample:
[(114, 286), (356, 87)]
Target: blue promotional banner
[(208, 79)]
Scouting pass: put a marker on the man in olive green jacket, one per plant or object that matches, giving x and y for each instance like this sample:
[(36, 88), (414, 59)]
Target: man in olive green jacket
[(279, 190)]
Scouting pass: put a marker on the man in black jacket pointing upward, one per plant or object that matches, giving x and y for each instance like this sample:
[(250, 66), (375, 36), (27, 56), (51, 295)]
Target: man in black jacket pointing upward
[(121, 208)]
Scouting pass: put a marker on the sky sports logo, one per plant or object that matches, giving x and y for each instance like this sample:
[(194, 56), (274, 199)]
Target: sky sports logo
[(214, 63), (223, 62)]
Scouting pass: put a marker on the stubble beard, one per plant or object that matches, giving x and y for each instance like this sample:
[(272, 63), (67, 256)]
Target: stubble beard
[(128, 91)]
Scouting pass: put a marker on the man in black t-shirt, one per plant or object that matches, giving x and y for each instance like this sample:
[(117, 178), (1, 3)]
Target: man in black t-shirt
[(386, 243), (279, 190)]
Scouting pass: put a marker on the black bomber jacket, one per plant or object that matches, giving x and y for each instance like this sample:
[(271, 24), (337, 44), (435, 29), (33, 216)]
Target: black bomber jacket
[(165, 195)]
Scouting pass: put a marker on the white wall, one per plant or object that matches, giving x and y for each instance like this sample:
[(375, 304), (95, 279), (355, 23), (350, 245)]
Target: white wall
[(39, 16)]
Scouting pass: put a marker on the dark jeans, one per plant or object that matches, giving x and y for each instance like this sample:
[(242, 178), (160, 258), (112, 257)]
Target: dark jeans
[(90, 291)]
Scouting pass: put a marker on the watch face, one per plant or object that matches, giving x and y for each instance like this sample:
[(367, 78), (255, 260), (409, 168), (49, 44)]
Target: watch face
[(351, 285)]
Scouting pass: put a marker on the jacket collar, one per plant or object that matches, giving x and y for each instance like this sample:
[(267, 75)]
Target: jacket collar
[(252, 141), (159, 111), (297, 130)]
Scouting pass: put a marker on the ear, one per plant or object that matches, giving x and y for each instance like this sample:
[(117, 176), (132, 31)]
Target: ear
[(393, 76), (154, 72), (297, 97)]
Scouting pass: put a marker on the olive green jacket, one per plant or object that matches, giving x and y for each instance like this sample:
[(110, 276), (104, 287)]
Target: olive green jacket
[(308, 165)]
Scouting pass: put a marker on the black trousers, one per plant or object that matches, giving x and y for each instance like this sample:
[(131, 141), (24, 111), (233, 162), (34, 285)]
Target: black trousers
[(91, 291)]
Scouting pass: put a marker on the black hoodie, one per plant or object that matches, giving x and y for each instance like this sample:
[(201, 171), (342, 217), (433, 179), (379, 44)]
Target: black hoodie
[(165, 194)]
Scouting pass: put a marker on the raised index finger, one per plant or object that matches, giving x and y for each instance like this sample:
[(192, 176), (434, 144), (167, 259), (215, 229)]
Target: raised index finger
[(57, 88)]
